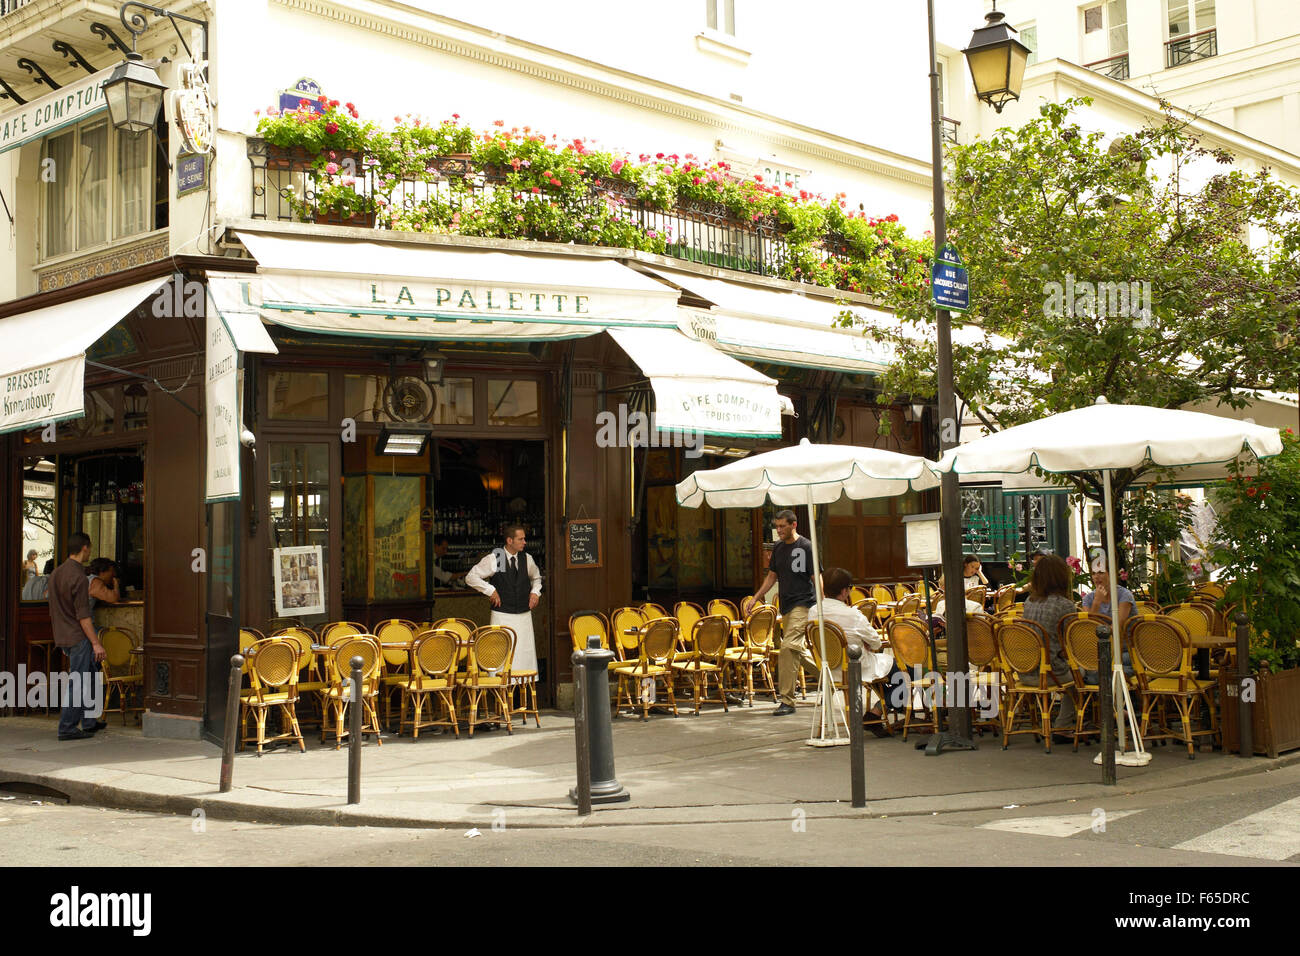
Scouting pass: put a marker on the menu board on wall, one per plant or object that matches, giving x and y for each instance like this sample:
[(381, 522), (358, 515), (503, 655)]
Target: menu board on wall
[(582, 543)]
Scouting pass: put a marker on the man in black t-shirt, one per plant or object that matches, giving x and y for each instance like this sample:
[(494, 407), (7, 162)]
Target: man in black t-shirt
[(791, 569)]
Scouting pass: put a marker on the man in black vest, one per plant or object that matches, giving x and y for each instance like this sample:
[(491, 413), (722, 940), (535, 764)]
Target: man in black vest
[(513, 584)]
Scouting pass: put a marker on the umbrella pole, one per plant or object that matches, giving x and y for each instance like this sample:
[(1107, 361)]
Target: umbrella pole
[(1122, 699), (825, 716)]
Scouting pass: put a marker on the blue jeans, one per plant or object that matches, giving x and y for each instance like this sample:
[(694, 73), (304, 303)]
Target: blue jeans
[(81, 660)]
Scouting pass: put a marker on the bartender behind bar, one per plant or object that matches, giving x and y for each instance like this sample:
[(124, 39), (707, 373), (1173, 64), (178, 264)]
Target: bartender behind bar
[(513, 584), (441, 545)]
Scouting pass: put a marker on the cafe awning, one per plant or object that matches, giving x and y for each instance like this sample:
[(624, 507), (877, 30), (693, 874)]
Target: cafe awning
[(43, 354), (700, 390), (785, 328), (416, 291), (235, 298)]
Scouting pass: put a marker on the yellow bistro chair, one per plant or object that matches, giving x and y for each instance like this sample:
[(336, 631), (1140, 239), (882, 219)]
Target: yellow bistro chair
[(273, 682), (708, 658), (432, 673), (338, 695), (656, 650), (1025, 649), (755, 650), (123, 671), (1161, 650), (487, 679), (909, 640)]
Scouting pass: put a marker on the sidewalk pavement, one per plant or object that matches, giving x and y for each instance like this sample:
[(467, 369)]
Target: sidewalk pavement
[(735, 767)]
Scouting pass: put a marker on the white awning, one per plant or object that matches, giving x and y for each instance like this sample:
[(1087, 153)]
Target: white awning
[(415, 291), (43, 354), (699, 390), (235, 297), (782, 327)]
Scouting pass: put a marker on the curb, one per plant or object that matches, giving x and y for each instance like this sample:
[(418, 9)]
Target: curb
[(238, 805)]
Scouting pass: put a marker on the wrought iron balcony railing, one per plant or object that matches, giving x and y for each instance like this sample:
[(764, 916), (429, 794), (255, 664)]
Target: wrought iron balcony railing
[(1115, 67), (453, 195), (1194, 46), (9, 6), (950, 129)]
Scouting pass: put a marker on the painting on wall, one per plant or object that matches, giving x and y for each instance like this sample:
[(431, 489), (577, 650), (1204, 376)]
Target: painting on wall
[(398, 545), (738, 557), (661, 536), (695, 548), (355, 552)]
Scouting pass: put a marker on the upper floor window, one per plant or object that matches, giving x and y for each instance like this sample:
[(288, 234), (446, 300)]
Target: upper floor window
[(1029, 37), (100, 186), (721, 16), (1105, 38), (1192, 31)]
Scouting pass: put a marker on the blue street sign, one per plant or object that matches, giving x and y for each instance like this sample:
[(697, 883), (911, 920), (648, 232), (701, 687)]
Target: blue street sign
[(949, 286)]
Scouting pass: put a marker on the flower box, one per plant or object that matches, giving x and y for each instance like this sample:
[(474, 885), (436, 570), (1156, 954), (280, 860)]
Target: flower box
[(365, 220), (1275, 713)]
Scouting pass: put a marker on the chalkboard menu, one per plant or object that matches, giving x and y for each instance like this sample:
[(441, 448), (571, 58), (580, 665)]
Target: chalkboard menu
[(582, 540)]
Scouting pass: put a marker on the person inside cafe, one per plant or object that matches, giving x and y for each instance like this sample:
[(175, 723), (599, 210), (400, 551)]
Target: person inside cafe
[(972, 574), (74, 630), (877, 663), (791, 570), (513, 585), (29, 566), (1049, 600), (441, 545), (101, 577), (36, 588)]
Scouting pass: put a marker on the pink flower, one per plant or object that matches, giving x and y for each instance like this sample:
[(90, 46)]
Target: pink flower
[(758, 178), (616, 166), (536, 189), (331, 168), (515, 163)]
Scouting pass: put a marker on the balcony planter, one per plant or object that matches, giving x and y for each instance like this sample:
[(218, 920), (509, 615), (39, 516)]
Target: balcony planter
[(1275, 714), (364, 220)]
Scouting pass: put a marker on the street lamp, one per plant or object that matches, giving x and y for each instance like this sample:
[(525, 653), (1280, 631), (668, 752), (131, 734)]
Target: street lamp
[(134, 91), (997, 61), (995, 88)]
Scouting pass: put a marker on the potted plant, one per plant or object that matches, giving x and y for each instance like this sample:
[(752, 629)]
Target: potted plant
[(1259, 551)]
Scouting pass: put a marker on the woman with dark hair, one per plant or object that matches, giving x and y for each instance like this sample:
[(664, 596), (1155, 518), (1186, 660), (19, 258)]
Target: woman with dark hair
[(1049, 601), (104, 587)]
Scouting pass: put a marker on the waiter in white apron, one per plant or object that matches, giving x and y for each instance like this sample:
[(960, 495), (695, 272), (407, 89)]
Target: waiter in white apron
[(513, 584)]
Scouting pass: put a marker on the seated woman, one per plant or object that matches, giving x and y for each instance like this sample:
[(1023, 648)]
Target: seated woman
[(1098, 602), (104, 586), (972, 572), (1048, 602)]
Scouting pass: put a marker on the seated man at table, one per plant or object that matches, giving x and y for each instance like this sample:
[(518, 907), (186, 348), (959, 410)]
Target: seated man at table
[(877, 663)]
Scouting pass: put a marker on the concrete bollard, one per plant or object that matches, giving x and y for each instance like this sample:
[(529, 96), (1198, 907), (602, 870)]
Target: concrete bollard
[(857, 758), (605, 788), (1106, 704), (232, 723), (354, 730), (1245, 723)]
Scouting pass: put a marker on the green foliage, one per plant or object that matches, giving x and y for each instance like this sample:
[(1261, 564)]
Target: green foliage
[(1153, 519), (1049, 203), (1259, 533)]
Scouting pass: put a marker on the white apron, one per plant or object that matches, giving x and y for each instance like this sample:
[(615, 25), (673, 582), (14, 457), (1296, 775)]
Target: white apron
[(525, 647)]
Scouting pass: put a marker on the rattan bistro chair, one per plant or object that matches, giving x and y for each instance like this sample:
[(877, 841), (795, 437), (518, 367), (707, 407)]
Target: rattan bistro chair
[(656, 650), (1161, 650), (1004, 598), (986, 670), (432, 673), (1026, 650), (1079, 638), (755, 649), (909, 640), (339, 695), (273, 682), (867, 607), (123, 671), (708, 659), (487, 679)]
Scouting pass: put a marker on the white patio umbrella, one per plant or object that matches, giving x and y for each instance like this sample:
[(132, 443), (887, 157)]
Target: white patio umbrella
[(1106, 438), (809, 474)]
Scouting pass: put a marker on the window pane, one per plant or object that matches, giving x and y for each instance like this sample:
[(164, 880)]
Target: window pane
[(98, 417), (1178, 22), (92, 186), (1117, 21), (134, 198), (1092, 20), (512, 402), (60, 193), (730, 26), (363, 397), (455, 402), (1204, 15), (38, 527), (841, 507), (1029, 37), (711, 13), (299, 396)]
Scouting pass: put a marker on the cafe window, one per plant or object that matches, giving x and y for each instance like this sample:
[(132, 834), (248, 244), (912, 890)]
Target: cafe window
[(513, 402), (720, 15), (39, 527), (455, 397), (299, 504), (297, 396), (99, 184), (453, 400)]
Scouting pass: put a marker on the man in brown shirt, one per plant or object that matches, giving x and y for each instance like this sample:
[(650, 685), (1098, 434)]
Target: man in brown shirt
[(74, 630)]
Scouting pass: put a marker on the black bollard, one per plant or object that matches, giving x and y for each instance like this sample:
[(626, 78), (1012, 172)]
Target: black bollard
[(354, 730), (1245, 722), (581, 733), (232, 723), (1106, 704), (857, 758), (600, 733)]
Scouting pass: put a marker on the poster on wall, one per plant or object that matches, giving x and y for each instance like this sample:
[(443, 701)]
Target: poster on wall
[(299, 581)]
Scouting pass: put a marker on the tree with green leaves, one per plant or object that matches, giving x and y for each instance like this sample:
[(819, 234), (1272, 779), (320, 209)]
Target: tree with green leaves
[(1118, 269)]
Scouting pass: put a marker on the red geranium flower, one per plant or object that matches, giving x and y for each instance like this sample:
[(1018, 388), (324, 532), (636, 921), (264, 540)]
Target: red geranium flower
[(331, 128)]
